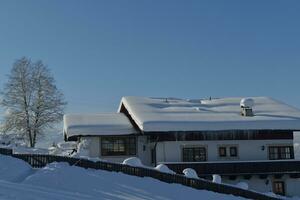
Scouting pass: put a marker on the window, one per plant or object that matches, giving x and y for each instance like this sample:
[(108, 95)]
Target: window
[(222, 151), (118, 146), (194, 154), (281, 152), (233, 151), (278, 187)]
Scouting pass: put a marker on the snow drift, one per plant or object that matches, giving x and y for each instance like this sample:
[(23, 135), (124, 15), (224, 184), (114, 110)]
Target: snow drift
[(61, 181), (12, 169)]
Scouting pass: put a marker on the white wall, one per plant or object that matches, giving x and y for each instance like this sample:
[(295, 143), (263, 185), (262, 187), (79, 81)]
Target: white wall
[(262, 185), (171, 151), (297, 144), (94, 147), (144, 150), (247, 149), (142, 153), (292, 186), (254, 183)]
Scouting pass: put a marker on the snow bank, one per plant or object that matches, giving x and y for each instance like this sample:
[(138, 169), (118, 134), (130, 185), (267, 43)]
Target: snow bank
[(67, 145), (83, 147), (190, 173), (63, 148), (217, 179), (98, 184), (133, 161), (28, 150), (11, 140), (164, 168), (55, 151), (242, 185), (12, 169)]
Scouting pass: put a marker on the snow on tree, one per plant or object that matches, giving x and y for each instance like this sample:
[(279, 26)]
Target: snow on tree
[(31, 99)]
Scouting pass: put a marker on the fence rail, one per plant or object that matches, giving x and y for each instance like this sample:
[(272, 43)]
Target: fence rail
[(241, 168), (41, 160)]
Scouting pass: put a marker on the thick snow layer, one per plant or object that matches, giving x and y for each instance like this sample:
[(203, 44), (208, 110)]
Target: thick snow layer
[(133, 161), (164, 168), (28, 150), (61, 181), (97, 124), (190, 173), (161, 114), (217, 179), (12, 169), (67, 145), (84, 147), (247, 103)]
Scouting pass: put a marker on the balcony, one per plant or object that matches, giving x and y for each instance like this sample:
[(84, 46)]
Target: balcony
[(240, 168)]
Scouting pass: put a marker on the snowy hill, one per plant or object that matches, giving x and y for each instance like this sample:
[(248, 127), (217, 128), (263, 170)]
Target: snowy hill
[(61, 181)]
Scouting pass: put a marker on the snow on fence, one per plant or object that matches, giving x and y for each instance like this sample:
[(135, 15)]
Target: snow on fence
[(41, 160)]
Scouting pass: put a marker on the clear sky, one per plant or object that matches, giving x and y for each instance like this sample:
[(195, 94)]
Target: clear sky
[(99, 51)]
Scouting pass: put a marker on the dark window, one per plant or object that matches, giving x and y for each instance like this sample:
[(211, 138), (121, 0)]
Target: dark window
[(233, 151), (118, 146), (278, 187), (222, 151), (281, 152), (194, 154)]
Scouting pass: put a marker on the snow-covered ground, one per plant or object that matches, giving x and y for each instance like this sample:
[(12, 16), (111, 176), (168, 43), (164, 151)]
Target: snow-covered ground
[(61, 181)]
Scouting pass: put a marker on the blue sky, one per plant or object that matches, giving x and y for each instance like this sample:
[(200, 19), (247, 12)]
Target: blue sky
[(99, 51)]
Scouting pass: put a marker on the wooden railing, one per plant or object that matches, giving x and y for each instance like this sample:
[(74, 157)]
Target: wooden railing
[(269, 167), (41, 160)]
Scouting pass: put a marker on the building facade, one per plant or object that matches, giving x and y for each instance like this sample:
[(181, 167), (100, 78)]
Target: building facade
[(241, 139)]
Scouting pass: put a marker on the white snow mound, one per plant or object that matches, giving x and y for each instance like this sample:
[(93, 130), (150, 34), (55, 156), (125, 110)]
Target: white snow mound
[(217, 179), (12, 169), (164, 168), (97, 184), (67, 145), (133, 161), (190, 173)]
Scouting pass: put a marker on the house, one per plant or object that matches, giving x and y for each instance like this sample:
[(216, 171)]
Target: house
[(241, 139)]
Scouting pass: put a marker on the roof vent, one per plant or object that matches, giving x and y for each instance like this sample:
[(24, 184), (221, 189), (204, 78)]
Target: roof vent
[(246, 105)]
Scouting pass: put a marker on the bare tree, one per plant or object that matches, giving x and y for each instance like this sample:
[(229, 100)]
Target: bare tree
[(32, 101)]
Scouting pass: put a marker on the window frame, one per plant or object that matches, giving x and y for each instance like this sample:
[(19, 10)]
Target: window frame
[(236, 151), (118, 145), (225, 152), (193, 149), (229, 154), (281, 152)]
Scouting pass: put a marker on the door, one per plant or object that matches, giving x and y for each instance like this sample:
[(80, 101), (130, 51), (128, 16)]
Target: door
[(279, 188)]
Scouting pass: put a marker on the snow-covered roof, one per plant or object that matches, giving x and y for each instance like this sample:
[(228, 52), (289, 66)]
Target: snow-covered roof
[(97, 124), (172, 114)]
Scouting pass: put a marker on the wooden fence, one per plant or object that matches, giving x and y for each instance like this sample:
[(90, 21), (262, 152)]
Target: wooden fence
[(41, 160)]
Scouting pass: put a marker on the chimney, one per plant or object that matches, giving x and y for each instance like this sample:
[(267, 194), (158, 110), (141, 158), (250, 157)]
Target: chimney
[(246, 106)]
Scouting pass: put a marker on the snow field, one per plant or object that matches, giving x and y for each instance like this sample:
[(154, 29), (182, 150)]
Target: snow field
[(61, 181)]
